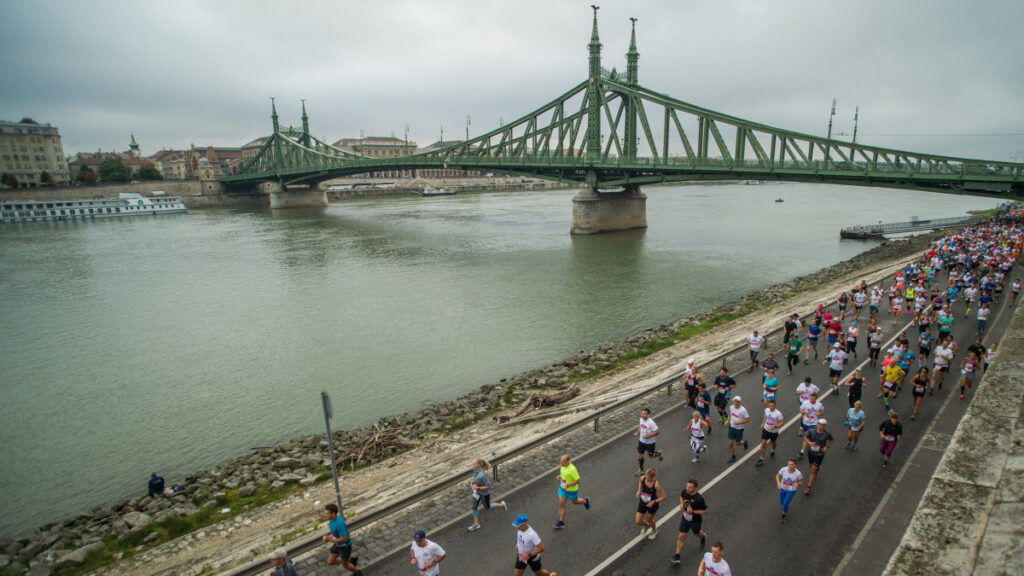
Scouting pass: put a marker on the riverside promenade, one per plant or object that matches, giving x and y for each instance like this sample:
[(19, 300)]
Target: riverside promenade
[(857, 515)]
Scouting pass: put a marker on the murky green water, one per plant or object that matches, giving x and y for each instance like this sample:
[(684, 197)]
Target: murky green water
[(173, 343)]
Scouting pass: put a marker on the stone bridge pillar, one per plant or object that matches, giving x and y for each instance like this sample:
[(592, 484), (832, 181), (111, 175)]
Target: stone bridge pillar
[(281, 197), (594, 212)]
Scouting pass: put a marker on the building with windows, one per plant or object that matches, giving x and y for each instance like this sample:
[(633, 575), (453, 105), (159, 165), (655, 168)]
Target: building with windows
[(31, 154), (380, 147)]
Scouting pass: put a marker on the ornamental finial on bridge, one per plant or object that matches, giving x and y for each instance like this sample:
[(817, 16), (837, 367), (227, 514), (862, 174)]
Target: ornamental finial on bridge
[(273, 112)]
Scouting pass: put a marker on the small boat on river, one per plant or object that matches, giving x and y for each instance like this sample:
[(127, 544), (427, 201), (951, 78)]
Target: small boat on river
[(432, 191)]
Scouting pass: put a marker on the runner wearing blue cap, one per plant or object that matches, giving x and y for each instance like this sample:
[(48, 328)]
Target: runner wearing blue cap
[(528, 548), (425, 555)]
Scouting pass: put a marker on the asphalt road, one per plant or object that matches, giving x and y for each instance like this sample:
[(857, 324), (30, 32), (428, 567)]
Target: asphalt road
[(853, 520)]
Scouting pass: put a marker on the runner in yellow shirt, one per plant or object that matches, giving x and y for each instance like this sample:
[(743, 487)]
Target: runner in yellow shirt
[(568, 489)]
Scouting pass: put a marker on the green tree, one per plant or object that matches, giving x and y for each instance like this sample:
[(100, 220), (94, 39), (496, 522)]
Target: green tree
[(10, 180), (112, 169), (148, 172), (46, 179), (86, 175)]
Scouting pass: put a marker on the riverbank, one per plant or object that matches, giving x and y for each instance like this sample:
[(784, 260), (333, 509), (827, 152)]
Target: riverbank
[(136, 525)]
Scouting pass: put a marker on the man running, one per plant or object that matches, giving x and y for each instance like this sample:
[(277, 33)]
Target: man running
[(528, 549), (425, 555), (754, 343), (893, 376), (341, 542), (788, 479), (723, 389), (816, 444), (694, 508), (836, 360), (812, 410), (770, 424), (793, 346), (943, 358), (647, 431), (890, 432), (813, 333), (568, 490), (738, 416), (713, 564)]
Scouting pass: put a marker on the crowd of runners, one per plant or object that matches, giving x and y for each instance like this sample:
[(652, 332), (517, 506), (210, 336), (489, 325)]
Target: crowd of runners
[(960, 279)]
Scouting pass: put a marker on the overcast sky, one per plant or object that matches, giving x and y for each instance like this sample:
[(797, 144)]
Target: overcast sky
[(939, 76)]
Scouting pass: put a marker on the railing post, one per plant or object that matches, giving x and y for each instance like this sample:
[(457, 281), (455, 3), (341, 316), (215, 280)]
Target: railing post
[(597, 424), (495, 471), (668, 388)]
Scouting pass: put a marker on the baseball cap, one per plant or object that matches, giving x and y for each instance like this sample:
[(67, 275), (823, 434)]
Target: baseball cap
[(836, 345), (691, 361), (419, 535), (736, 398), (822, 421), (278, 554), (520, 520)]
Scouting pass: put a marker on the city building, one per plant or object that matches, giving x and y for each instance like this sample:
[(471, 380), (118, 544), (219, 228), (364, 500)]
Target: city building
[(193, 164), (442, 172), (31, 154), (380, 147)]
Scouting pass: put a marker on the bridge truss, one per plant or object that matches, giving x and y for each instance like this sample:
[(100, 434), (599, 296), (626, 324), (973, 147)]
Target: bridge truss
[(610, 131)]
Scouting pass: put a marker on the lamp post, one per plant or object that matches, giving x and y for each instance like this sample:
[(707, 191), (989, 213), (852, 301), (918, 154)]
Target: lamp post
[(328, 413)]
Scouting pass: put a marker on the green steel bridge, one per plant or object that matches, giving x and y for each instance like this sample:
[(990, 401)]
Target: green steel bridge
[(611, 133)]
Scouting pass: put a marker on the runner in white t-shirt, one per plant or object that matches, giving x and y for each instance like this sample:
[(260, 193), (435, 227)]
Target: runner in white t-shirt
[(754, 343), (770, 424), (647, 433), (697, 430), (738, 416), (528, 548), (943, 358), (713, 564), (788, 480), (811, 409), (426, 555)]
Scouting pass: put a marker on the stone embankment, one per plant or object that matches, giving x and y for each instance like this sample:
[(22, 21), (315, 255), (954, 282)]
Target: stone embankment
[(969, 520), (65, 544)]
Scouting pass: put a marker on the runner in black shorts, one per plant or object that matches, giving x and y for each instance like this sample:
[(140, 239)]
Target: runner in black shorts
[(694, 508), (816, 443), (649, 497), (918, 387)]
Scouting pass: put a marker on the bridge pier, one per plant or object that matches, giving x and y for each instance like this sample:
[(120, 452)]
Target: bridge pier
[(594, 212), (281, 197)]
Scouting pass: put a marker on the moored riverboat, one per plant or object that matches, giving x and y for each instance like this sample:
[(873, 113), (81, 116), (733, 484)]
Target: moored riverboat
[(126, 204), (432, 191)]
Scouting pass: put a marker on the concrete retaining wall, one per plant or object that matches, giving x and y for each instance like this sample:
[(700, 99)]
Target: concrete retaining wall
[(971, 518)]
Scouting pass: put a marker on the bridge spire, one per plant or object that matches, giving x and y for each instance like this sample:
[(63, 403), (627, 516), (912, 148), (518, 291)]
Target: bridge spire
[(594, 96), (305, 124), (273, 114), (632, 57)]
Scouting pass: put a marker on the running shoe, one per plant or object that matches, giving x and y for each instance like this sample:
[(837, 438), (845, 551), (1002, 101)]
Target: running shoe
[(586, 503), (961, 396), (760, 462), (772, 455), (473, 527), (912, 416), (783, 519), (730, 460), (653, 535), (639, 472), (503, 506), (354, 560), (800, 455), (674, 558), (695, 460), (658, 456), (644, 531), (807, 492), (885, 463), (703, 540), (559, 525)]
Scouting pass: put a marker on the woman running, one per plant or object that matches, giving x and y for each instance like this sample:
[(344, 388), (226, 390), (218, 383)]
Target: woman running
[(851, 338), (697, 428), (788, 480), (890, 431), (855, 422), (813, 333), (771, 388), (856, 385), (918, 387), (481, 486), (967, 369), (649, 495)]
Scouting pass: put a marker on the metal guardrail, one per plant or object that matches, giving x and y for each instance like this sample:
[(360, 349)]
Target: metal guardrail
[(256, 567)]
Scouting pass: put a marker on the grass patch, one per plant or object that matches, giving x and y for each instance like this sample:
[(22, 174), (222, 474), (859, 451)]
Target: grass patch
[(176, 526)]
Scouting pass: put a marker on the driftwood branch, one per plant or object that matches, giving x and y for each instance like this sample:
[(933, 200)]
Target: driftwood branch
[(536, 401)]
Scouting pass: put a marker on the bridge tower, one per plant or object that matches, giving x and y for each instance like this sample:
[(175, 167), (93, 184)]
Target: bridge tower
[(609, 211), (281, 197)]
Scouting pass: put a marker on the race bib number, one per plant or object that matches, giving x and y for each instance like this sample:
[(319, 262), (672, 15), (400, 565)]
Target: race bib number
[(815, 447), (889, 438), (645, 497)]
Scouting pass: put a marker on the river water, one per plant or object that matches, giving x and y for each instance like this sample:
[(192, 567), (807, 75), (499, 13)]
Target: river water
[(174, 343)]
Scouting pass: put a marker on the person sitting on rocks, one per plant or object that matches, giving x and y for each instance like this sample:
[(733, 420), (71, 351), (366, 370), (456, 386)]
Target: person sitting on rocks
[(156, 484)]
